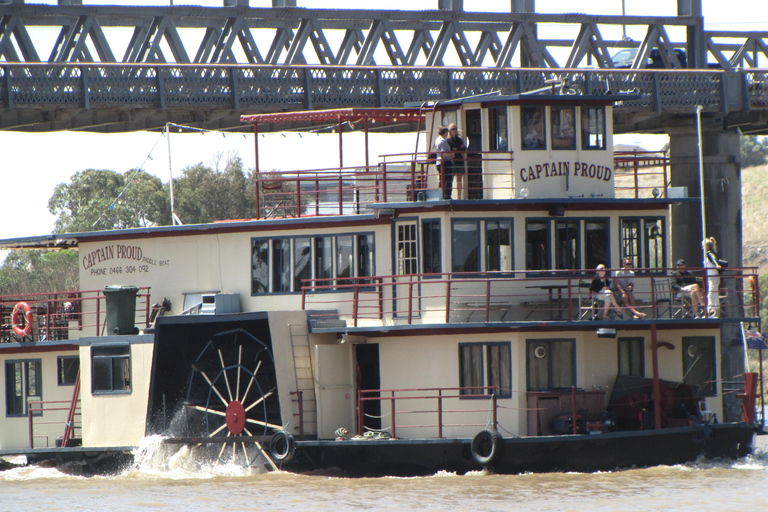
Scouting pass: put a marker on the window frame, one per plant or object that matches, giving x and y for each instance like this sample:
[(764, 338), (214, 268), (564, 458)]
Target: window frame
[(431, 246), (60, 372), (640, 242), (627, 348), (586, 128), (554, 109), (526, 125), (495, 122), (109, 352), (549, 343), (548, 246), (486, 369), (23, 365), (319, 255)]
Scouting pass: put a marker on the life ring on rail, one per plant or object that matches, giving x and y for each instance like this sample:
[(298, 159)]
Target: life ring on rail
[(282, 446), (17, 329), (487, 447)]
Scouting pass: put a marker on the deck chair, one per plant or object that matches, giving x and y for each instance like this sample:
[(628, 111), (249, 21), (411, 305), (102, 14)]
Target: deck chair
[(589, 306), (663, 296)]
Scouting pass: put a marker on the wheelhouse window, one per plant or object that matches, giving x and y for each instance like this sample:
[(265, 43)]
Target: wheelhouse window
[(407, 253), (631, 357), (482, 245), (497, 117), (111, 369), (643, 241), (533, 122), (23, 385), (593, 128), (551, 364), (67, 369), (431, 243), (563, 128), (485, 365), (537, 245), (699, 367), (283, 265)]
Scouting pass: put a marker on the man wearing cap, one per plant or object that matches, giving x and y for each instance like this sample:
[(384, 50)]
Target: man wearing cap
[(686, 283)]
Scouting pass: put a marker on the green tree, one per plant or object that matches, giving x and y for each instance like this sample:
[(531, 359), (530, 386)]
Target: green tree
[(96, 200), (33, 271), (204, 194), (754, 151)]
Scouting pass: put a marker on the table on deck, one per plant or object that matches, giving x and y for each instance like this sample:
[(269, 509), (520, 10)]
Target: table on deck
[(550, 288)]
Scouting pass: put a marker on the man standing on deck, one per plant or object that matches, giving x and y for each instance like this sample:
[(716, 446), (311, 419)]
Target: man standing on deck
[(444, 156)]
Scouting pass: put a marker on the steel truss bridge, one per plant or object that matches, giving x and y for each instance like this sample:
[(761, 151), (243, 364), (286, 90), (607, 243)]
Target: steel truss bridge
[(206, 66)]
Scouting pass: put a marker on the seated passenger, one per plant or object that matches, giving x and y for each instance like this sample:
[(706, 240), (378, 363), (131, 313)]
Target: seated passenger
[(624, 284), (686, 284), (601, 287)]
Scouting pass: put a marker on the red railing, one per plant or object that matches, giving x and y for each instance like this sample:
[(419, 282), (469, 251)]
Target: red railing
[(409, 177), (72, 409), (53, 312), (436, 396), (501, 296)]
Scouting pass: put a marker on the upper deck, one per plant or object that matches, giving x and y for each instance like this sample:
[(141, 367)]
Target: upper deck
[(521, 147)]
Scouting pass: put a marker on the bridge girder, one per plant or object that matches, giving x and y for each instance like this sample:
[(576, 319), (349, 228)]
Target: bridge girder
[(359, 37)]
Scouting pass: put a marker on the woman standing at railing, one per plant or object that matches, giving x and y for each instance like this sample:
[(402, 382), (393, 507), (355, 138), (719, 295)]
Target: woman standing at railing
[(712, 271)]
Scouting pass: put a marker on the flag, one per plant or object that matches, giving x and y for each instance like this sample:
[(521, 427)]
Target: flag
[(756, 340)]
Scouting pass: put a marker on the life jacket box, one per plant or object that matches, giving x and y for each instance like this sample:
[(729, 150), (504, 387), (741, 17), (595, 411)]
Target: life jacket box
[(220, 303)]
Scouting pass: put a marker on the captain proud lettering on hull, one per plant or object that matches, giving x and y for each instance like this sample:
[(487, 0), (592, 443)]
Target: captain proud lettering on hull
[(120, 259), (556, 169)]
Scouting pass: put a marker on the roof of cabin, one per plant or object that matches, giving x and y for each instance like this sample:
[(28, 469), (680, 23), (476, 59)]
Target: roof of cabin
[(353, 115)]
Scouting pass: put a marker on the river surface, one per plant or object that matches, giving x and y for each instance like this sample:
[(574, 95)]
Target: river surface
[(178, 483)]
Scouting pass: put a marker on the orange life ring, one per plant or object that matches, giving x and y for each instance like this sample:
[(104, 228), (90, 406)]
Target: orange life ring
[(27, 318)]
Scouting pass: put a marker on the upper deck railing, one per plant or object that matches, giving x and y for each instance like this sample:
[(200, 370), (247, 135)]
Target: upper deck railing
[(518, 297), (62, 315), (414, 177)]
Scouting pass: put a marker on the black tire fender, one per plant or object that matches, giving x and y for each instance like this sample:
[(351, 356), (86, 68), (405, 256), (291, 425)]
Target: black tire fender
[(487, 447), (282, 447)]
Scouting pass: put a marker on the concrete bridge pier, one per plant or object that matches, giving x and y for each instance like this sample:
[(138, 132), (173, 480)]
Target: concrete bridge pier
[(722, 203)]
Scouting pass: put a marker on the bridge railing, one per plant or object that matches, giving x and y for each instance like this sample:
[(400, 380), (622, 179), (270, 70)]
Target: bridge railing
[(278, 88)]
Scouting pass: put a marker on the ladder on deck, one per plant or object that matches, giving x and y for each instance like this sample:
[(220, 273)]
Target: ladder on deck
[(305, 380)]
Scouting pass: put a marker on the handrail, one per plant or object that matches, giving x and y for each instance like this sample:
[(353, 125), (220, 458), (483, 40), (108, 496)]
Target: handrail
[(557, 295), (71, 408), (411, 177), (486, 392), (53, 311)]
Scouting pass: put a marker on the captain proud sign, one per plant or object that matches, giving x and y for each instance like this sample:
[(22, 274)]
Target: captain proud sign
[(573, 178), (120, 259)]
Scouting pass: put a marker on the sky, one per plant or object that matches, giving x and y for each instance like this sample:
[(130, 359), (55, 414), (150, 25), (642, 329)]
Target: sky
[(32, 165)]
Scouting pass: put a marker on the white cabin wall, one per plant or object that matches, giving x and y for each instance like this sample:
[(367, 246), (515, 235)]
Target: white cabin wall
[(117, 419), (14, 431)]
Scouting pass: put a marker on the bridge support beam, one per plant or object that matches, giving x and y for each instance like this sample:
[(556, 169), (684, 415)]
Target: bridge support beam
[(722, 201)]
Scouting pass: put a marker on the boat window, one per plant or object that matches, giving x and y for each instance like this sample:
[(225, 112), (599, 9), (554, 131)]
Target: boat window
[(567, 240), (485, 365), (563, 131), (593, 128), (551, 364), (302, 262), (537, 245), (699, 368), (497, 118), (111, 369), (596, 243), (23, 385), (465, 246), (533, 122), (285, 265), (632, 357), (430, 243), (68, 367), (498, 245), (407, 255), (643, 241)]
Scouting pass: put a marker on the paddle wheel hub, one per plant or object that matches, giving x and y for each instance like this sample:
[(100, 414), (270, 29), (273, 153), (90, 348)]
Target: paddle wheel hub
[(235, 417)]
